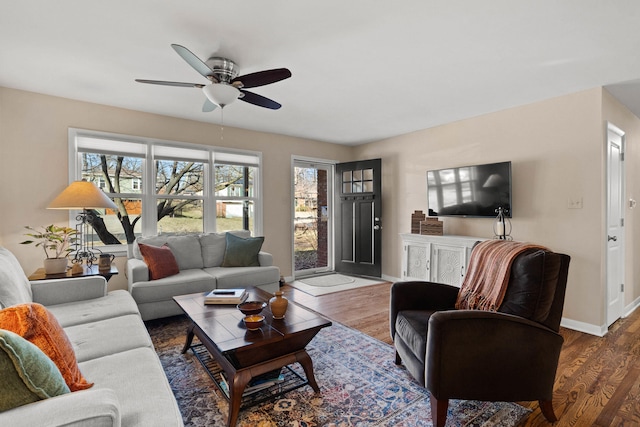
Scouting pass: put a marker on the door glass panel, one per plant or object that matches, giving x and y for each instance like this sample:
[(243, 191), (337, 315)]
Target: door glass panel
[(312, 218), (368, 174)]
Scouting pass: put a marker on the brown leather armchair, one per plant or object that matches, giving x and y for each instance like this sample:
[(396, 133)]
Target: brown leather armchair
[(509, 355)]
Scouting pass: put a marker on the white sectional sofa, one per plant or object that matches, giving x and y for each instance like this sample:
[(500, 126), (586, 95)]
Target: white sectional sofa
[(112, 348), (200, 259)]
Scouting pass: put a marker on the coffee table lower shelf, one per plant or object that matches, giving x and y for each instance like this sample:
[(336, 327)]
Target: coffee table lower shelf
[(292, 380)]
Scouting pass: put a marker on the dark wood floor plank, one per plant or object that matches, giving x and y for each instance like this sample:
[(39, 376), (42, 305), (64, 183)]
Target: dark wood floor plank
[(598, 378)]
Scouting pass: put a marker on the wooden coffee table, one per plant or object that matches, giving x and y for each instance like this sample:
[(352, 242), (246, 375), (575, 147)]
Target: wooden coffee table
[(243, 354)]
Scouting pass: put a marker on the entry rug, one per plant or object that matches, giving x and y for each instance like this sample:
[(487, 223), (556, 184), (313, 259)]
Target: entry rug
[(359, 382), (330, 283)]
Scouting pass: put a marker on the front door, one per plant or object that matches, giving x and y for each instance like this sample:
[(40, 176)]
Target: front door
[(358, 229)]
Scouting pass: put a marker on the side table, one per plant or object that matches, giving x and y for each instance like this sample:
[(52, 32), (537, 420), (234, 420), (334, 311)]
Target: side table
[(39, 274)]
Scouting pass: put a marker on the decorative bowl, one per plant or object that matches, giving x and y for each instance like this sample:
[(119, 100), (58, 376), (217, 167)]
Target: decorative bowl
[(251, 307), (253, 321)]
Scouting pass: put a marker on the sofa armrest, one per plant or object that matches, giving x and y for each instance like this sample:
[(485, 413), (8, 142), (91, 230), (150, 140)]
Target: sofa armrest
[(419, 295), (473, 354), (137, 271), (59, 291), (265, 259), (99, 407)]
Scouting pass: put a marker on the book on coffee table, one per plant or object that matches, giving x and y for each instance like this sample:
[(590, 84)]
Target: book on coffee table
[(226, 296)]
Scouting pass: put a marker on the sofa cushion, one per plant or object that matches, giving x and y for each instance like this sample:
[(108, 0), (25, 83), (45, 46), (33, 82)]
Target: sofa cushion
[(241, 277), (532, 285), (15, 287), (140, 384), (187, 251), (214, 245), (37, 325), (185, 282), (104, 337), (28, 375), (115, 303), (242, 252), (160, 260)]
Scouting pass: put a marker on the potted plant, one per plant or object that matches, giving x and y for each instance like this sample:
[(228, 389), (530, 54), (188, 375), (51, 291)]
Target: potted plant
[(57, 244)]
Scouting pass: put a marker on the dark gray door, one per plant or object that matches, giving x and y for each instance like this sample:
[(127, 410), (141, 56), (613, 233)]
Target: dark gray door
[(358, 233)]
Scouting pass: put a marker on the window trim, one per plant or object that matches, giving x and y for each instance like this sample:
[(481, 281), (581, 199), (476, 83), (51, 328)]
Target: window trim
[(209, 155)]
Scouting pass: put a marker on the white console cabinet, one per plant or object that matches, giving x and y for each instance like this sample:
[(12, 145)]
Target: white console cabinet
[(440, 259)]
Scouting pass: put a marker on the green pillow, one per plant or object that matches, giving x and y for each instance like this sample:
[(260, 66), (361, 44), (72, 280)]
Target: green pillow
[(242, 252), (28, 375)]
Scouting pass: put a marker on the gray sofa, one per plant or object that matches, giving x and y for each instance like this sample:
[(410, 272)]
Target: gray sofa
[(113, 350), (200, 259)]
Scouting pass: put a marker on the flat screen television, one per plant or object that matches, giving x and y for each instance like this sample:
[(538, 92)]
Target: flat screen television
[(470, 191)]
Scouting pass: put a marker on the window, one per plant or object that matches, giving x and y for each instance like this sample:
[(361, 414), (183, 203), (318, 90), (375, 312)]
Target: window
[(163, 187)]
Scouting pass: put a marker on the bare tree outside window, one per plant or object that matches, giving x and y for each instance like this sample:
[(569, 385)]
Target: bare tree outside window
[(179, 190)]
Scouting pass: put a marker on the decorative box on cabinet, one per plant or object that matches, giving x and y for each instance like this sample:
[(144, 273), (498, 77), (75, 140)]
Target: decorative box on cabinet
[(440, 259)]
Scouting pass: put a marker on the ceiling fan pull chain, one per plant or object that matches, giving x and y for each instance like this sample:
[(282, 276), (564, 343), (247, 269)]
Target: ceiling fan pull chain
[(222, 124)]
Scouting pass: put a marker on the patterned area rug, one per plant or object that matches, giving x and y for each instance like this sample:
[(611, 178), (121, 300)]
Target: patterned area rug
[(359, 382)]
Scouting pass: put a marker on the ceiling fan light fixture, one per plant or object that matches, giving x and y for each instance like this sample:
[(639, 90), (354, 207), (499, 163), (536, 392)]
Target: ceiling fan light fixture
[(221, 94)]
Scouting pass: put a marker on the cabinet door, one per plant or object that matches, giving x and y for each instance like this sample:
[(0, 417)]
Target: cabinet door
[(448, 264), (417, 264)]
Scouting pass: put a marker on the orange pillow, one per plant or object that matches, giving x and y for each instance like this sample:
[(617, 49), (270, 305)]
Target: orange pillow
[(160, 261), (37, 325)]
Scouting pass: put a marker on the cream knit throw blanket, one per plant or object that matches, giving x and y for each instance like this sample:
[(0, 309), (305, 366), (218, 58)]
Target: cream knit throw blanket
[(485, 283)]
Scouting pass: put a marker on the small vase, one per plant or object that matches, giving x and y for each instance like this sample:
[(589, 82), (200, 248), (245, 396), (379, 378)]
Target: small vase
[(278, 305), (55, 265)]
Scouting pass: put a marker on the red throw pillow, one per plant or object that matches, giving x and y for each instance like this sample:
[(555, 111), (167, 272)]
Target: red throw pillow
[(160, 261), (37, 325)]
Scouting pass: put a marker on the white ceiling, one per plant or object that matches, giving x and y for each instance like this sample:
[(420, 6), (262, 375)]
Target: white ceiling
[(363, 70)]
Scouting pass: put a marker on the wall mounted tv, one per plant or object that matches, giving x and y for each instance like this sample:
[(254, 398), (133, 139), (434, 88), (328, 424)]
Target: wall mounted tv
[(470, 191)]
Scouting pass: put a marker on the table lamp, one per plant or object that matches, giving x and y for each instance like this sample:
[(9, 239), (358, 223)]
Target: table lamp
[(83, 195)]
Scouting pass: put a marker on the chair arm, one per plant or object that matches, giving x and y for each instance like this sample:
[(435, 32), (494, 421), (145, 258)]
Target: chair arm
[(99, 407), (59, 291), (484, 355), (418, 295), (265, 259), (137, 271)]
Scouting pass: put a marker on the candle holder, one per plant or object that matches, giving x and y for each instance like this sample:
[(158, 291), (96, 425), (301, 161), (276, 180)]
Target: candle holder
[(502, 225)]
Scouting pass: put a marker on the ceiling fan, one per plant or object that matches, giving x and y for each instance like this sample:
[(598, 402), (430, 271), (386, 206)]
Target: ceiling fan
[(226, 86)]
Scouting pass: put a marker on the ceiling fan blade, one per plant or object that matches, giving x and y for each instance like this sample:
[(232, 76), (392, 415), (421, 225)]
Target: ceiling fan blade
[(163, 83), (259, 100), (208, 106), (262, 78), (194, 61)]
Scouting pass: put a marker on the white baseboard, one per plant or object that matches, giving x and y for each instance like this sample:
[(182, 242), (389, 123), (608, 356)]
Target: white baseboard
[(631, 307), (587, 328)]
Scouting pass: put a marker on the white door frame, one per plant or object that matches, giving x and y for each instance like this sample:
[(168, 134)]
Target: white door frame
[(614, 240), (329, 165)]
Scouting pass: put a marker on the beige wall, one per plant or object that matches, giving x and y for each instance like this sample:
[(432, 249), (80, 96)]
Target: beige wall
[(556, 146), (33, 142)]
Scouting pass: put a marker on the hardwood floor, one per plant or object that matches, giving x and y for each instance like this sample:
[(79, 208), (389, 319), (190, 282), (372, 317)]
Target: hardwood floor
[(597, 382)]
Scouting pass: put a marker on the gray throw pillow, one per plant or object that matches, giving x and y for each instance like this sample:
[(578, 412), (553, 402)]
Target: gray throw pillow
[(242, 252)]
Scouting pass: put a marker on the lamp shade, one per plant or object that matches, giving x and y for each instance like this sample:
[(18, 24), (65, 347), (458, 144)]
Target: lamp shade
[(221, 94), (82, 195)]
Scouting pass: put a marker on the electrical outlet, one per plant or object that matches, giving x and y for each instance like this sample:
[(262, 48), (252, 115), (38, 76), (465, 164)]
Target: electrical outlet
[(574, 203)]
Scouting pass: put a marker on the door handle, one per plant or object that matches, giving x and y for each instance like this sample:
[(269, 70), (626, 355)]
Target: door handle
[(377, 227), (614, 238)]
